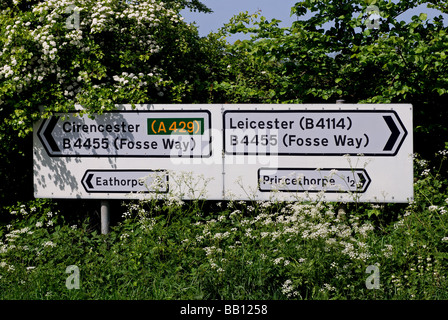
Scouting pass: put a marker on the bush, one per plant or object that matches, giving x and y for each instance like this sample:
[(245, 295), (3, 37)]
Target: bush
[(167, 248)]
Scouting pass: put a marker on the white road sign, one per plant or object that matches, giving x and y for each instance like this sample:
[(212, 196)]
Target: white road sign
[(341, 152), (128, 134), (333, 152), (313, 132), (313, 180), (124, 181)]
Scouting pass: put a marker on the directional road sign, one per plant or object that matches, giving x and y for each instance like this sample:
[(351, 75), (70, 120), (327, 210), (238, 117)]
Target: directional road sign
[(128, 134), (313, 180), (341, 152), (313, 132), (125, 181)]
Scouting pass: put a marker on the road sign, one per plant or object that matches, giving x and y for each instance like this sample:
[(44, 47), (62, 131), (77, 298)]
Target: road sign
[(125, 181), (171, 133), (347, 152), (313, 180), (289, 152), (313, 132)]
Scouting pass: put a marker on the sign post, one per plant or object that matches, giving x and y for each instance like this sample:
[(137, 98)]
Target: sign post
[(105, 216), (330, 152)]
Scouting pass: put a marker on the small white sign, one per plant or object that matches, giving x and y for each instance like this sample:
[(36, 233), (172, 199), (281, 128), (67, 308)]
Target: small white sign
[(125, 181), (313, 180), (313, 132), (128, 134)]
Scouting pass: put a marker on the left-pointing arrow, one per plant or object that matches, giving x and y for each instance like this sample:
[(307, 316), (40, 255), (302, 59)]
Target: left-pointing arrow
[(89, 181), (48, 137)]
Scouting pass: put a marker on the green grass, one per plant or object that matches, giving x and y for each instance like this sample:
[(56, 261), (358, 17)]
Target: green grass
[(197, 250)]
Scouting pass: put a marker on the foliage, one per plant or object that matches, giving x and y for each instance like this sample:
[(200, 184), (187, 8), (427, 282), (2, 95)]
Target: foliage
[(142, 52), (120, 52), (171, 249), (334, 55)]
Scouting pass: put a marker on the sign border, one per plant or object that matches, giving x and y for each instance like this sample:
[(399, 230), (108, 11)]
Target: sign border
[(313, 154), (126, 170), (40, 134), (314, 169)]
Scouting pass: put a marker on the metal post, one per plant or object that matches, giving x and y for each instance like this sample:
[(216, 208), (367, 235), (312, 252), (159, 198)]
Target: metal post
[(105, 216)]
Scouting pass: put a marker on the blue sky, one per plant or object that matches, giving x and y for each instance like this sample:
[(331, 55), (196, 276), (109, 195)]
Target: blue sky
[(223, 10)]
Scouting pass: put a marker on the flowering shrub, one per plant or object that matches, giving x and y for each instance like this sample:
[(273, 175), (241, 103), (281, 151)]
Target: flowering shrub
[(56, 54), (168, 248)]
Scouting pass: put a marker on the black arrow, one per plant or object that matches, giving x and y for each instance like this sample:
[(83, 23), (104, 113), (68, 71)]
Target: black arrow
[(395, 133), (89, 181), (362, 179), (47, 134)]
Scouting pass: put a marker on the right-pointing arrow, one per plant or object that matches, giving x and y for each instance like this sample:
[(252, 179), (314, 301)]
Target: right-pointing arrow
[(362, 180), (395, 133)]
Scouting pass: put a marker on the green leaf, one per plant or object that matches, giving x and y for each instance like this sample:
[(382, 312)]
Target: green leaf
[(441, 91), (375, 212)]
